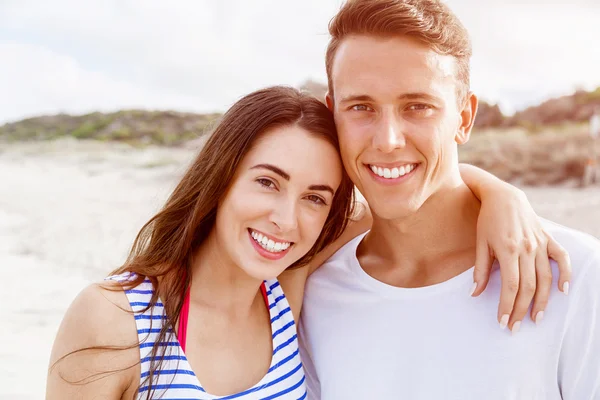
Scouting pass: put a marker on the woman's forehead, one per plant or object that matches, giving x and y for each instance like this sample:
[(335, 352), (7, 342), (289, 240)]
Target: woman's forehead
[(297, 152)]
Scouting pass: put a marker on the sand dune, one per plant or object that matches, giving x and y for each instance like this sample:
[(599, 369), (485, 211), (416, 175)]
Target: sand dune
[(68, 213)]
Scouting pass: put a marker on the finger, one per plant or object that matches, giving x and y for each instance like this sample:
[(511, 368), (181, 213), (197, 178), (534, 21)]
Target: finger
[(543, 287), (509, 272), (527, 287), (483, 267), (560, 255)]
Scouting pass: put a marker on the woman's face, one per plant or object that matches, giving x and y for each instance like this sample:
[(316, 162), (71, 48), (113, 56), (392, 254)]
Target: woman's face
[(278, 201)]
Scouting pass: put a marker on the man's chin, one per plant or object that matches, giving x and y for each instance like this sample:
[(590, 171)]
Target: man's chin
[(396, 210)]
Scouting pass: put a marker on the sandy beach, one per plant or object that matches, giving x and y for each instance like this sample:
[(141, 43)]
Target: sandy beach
[(69, 211)]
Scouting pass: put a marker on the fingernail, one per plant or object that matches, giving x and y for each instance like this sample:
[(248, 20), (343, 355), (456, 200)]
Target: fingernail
[(504, 321), (566, 288), (516, 327), (539, 317), (473, 288)]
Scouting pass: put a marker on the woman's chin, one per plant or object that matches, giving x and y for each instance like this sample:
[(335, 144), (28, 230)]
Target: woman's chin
[(259, 272)]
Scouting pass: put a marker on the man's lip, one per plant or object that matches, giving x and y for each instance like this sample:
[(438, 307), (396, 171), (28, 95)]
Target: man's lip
[(392, 165), (391, 181)]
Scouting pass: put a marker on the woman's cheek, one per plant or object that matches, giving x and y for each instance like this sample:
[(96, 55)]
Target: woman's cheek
[(313, 223)]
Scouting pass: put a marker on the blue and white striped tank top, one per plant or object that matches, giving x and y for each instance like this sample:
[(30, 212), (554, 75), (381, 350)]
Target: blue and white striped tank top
[(177, 381)]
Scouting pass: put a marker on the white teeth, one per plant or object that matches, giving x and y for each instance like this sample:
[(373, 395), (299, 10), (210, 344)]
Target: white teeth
[(269, 244), (394, 172)]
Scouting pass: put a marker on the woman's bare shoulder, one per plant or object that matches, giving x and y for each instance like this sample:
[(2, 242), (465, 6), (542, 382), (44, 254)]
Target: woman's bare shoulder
[(292, 282), (96, 338)]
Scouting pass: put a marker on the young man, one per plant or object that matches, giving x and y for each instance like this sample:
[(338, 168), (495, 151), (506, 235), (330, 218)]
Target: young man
[(389, 315)]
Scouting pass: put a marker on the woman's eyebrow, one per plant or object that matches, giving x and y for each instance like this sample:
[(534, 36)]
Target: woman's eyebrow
[(274, 169), (325, 188), (286, 176)]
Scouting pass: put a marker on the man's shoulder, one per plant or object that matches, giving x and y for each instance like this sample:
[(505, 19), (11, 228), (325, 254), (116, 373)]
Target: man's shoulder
[(580, 245), (339, 267), (346, 254), (583, 249)]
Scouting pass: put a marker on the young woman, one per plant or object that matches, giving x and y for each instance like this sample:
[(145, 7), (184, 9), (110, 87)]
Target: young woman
[(197, 311)]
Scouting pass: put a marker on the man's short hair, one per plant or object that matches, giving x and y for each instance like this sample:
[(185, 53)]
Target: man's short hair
[(430, 22)]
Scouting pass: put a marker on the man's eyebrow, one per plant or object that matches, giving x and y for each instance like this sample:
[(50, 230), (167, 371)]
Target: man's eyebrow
[(356, 97), (417, 95), (274, 169), (325, 188), (405, 96)]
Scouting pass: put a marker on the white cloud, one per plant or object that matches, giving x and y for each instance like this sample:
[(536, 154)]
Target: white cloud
[(74, 56), (206, 54), (527, 51), (39, 81)]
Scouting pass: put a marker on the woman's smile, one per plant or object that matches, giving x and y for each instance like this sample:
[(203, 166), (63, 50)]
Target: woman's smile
[(267, 246)]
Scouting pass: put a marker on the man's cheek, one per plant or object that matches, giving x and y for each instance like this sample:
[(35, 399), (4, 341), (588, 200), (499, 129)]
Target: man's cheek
[(349, 131)]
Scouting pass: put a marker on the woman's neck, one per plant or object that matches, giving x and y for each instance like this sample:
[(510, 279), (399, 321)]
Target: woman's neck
[(217, 282)]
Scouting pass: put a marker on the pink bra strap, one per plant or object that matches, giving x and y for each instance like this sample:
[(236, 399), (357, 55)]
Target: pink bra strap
[(185, 312), (183, 320)]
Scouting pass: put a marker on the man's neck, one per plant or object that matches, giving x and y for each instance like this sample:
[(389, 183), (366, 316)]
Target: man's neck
[(430, 246)]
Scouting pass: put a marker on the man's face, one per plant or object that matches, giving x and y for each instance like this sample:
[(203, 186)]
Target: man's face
[(398, 120)]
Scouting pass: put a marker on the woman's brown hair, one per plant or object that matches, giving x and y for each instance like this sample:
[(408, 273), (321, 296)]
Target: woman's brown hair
[(164, 247)]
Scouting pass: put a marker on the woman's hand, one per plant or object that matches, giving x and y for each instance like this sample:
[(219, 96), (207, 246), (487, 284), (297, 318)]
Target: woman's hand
[(510, 231)]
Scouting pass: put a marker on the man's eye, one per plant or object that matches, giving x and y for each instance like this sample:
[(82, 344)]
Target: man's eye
[(419, 107), (361, 107)]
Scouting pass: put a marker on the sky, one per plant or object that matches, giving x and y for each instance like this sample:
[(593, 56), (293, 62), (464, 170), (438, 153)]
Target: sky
[(78, 56)]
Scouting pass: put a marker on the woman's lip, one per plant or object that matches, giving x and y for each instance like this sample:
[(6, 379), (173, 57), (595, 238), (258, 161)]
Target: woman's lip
[(273, 238), (265, 253)]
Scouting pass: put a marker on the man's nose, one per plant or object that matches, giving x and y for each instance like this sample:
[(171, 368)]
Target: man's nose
[(389, 135)]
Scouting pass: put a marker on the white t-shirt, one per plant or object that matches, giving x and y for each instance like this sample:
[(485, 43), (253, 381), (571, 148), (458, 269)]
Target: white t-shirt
[(363, 339)]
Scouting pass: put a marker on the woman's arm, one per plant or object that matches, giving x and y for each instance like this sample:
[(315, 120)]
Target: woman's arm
[(510, 231), (95, 318)]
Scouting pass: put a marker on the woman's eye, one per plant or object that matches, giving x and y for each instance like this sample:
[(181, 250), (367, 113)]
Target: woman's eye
[(316, 199), (267, 183)]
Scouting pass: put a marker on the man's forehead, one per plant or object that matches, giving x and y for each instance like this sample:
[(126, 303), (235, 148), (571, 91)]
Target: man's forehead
[(399, 63)]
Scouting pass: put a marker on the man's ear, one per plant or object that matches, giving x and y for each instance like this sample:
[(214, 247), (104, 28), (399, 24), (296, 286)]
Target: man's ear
[(467, 119), (329, 101)]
